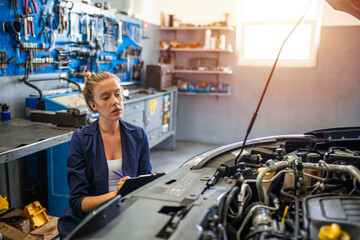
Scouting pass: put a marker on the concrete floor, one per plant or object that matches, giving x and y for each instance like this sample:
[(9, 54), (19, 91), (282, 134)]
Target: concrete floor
[(169, 160)]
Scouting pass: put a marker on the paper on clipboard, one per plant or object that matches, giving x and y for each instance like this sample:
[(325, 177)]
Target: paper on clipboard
[(132, 184)]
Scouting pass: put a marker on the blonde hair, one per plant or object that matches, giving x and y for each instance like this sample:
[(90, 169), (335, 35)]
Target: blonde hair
[(91, 80)]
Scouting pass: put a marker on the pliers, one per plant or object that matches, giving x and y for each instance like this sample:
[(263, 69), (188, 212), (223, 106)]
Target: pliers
[(52, 19), (43, 16), (15, 3), (30, 23), (26, 6), (47, 34)]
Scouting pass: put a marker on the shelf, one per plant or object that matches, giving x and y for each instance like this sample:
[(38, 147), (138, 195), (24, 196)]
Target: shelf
[(129, 57), (162, 138), (203, 72), (229, 28), (203, 94), (195, 50)]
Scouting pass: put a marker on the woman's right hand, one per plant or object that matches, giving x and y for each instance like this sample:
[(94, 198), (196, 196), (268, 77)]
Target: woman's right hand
[(90, 203), (121, 183)]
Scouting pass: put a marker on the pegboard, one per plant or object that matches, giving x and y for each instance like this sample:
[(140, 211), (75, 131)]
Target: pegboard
[(78, 38)]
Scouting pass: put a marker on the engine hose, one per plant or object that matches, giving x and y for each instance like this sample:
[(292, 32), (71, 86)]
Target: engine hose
[(229, 198), (296, 178), (243, 202), (272, 186), (259, 187), (336, 168), (316, 166), (332, 187), (283, 192), (249, 215), (315, 190), (263, 233)]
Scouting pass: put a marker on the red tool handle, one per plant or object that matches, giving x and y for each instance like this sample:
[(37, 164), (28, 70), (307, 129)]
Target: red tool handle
[(35, 8), (25, 7), (32, 28), (28, 27)]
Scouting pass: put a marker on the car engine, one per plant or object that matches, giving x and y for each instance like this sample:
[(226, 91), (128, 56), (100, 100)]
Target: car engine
[(291, 189)]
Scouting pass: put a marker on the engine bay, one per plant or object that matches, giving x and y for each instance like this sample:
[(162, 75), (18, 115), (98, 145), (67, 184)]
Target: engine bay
[(307, 189)]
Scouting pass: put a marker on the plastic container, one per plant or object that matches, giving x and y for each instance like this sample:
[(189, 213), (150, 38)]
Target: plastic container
[(222, 43), (214, 87), (5, 113), (191, 87), (207, 39), (224, 88), (204, 90)]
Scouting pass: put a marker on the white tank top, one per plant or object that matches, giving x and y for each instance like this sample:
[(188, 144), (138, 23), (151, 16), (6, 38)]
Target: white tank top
[(114, 165)]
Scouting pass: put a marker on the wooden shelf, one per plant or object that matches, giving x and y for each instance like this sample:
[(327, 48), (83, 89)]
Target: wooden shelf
[(203, 94), (229, 28), (203, 72), (196, 50)]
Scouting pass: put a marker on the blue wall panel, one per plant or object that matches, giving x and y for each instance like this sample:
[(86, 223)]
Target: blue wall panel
[(78, 38)]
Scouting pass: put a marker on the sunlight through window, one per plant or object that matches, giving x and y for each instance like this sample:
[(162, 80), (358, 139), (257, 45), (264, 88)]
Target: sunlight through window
[(264, 25)]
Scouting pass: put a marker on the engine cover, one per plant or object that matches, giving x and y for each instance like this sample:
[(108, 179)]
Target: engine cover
[(325, 210)]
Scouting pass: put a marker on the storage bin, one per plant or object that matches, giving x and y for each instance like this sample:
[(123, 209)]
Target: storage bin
[(224, 88), (214, 87), (205, 90), (192, 87)]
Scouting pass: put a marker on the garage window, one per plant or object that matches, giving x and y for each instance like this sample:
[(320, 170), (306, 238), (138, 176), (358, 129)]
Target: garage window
[(265, 24)]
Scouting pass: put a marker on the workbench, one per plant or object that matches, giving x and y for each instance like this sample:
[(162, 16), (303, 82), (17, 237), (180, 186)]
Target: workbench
[(20, 138)]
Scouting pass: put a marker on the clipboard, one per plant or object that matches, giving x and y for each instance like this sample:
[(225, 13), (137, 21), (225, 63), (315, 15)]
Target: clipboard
[(132, 184)]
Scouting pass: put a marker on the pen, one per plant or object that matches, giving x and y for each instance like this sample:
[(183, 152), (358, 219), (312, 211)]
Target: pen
[(119, 174)]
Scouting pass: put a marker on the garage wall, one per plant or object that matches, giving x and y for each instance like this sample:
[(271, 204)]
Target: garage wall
[(206, 11), (298, 100)]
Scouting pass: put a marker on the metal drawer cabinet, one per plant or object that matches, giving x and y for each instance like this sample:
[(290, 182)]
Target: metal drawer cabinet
[(136, 118), (134, 107), (153, 134)]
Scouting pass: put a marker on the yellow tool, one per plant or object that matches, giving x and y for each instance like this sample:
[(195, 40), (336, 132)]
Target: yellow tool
[(4, 204), (333, 232), (36, 214)]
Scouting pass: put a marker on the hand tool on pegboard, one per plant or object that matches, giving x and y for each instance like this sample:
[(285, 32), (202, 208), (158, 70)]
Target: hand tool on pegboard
[(52, 20), (15, 5), (46, 33), (26, 7), (46, 27), (14, 29), (63, 20), (30, 23), (43, 16)]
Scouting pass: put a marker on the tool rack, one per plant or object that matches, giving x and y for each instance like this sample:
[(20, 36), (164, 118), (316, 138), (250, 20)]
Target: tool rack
[(47, 36)]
